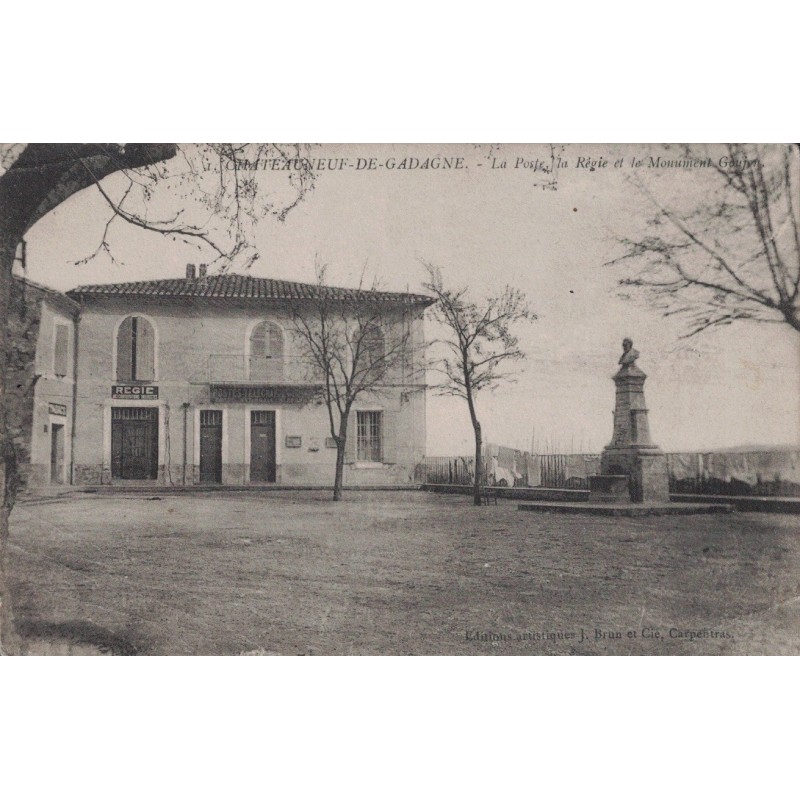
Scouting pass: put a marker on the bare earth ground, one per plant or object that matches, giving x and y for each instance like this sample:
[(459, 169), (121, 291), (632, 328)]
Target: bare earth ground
[(396, 573)]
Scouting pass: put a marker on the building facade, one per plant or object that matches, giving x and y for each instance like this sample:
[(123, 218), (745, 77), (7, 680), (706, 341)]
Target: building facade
[(40, 385), (202, 380)]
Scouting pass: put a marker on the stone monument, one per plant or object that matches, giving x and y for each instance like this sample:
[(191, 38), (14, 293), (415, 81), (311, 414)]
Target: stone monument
[(632, 467), (634, 481)]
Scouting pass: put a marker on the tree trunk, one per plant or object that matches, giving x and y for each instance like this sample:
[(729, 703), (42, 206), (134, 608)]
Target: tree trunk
[(42, 177), (8, 461), (337, 481), (476, 426), (341, 444), (476, 486)]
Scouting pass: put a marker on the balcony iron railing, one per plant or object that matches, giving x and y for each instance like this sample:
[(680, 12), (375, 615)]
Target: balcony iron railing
[(241, 369)]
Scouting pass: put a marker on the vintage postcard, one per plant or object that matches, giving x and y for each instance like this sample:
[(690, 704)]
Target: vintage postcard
[(490, 399)]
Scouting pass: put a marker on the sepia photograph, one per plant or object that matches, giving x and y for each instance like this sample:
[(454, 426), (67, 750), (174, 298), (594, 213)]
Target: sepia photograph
[(400, 399)]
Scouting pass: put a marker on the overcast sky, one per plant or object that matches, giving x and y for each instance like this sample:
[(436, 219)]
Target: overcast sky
[(486, 227)]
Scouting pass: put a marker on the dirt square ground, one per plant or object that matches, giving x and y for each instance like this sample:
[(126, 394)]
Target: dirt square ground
[(397, 573)]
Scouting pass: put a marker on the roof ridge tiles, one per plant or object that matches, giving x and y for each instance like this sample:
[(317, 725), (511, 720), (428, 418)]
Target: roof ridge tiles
[(236, 285)]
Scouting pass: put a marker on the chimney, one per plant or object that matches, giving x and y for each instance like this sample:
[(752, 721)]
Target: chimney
[(203, 268), (190, 274)]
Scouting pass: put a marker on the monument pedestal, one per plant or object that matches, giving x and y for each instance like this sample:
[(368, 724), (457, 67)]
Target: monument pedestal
[(609, 489), (648, 479), (632, 452)]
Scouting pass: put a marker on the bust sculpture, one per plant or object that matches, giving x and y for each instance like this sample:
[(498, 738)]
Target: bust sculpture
[(629, 355)]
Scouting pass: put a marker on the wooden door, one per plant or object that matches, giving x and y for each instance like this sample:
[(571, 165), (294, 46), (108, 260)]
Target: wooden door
[(211, 447), (262, 447), (137, 450), (57, 454), (134, 443)]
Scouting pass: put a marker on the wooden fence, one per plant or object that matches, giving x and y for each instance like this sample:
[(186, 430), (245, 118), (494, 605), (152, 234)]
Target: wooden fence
[(448, 470), (551, 471), (762, 473)]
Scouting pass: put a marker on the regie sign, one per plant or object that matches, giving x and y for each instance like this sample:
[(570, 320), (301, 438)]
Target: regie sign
[(134, 392)]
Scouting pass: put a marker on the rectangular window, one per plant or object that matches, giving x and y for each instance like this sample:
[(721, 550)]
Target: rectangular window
[(211, 419), (61, 351), (369, 445), (134, 413)]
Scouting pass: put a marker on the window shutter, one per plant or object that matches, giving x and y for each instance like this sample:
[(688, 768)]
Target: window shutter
[(125, 350), (375, 352), (61, 353), (275, 352), (258, 350), (266, 352), (275, 341), (145, 351), (258, 341)]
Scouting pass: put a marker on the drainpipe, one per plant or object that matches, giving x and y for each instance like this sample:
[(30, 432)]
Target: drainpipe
[(185, 408), (76, 320)]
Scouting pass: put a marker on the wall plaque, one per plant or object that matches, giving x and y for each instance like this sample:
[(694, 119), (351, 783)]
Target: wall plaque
[(57, 409), (134, 392), (244, 393)]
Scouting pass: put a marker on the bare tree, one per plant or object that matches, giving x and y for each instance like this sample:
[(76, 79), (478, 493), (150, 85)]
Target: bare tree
[(735, 255), (207, 195), (478, 345), (355, 343)]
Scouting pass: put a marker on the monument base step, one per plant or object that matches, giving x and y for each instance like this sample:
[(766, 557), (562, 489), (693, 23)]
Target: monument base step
[(626, 509)]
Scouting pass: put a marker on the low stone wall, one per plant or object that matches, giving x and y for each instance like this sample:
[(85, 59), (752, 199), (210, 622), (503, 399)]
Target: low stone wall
[(764, 505), (514, 493)]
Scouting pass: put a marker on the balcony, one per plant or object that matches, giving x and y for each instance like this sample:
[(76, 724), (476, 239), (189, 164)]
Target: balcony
[(240, 378), (241, 369)]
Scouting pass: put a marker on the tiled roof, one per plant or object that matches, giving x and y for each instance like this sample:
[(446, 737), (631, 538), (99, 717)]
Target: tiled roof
[(235, 286), (58, 299)]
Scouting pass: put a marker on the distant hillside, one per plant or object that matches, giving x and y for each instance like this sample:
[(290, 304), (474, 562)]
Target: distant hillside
[(756, 448)]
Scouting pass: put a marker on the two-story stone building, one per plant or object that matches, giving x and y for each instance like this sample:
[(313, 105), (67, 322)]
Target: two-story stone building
[(201, 380), (41, 381)]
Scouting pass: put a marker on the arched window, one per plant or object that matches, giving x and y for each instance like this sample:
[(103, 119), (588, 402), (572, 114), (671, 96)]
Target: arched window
[(136, 350), (266, 352), (374, 349)]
